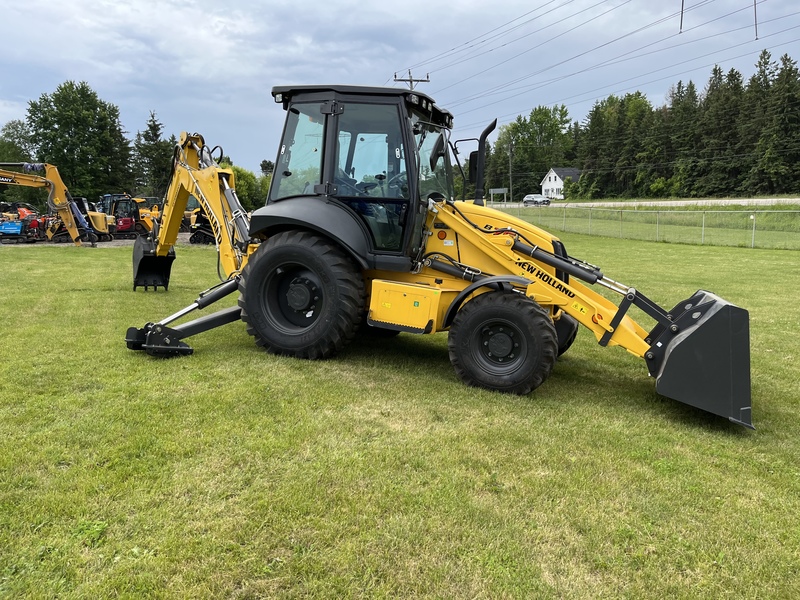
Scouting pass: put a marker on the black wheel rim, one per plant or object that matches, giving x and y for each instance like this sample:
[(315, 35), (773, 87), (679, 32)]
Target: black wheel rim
[(293, 298), (498, 346)]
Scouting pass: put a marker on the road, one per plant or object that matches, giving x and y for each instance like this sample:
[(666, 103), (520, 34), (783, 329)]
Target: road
[(670, 203)]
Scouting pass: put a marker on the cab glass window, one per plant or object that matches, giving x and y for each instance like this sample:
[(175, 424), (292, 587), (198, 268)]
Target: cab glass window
[(299, 164), (370, 174)]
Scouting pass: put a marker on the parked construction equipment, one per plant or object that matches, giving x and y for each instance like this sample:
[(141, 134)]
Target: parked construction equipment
[(361, 228), (21, 222), (72, 220), (132, 216)]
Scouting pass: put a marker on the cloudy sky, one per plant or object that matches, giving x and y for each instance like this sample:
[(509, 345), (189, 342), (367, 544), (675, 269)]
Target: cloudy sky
[(208, 66)]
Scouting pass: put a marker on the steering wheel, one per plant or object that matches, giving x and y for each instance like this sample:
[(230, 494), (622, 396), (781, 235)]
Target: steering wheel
[(366, 186), (398, 180)]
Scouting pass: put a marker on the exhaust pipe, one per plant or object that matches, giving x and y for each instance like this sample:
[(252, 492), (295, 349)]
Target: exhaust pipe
[(149, 269), (703, 357)]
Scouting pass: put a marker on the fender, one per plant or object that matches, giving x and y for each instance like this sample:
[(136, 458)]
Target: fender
[(328, 218), (498, 282)]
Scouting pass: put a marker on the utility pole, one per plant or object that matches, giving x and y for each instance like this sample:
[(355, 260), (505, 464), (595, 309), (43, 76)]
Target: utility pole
[(510, 182), (411, 81)]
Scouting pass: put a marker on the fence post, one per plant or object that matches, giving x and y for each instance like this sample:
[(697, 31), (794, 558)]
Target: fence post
[(753, 239), (564, 224), (590, 221), (620, 224), (658, 213), (703, 230)]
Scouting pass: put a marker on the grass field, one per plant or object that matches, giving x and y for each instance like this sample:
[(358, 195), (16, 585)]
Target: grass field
[(235, 474)]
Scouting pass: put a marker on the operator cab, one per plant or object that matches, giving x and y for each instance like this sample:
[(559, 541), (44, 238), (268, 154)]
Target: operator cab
[(354, 147)]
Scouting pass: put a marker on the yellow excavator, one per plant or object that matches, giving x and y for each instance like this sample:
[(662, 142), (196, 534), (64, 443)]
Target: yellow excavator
[(68, 221), (361, 229)]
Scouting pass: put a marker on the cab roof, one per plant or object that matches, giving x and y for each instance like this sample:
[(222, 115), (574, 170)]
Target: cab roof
[(421, 101)]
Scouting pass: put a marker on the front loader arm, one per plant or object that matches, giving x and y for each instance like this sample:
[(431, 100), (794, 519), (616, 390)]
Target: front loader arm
[(502, 252), (698, 351)]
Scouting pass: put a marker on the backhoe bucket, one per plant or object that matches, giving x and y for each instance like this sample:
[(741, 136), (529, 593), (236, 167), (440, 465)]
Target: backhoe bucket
[(148, 268), (703, 359)]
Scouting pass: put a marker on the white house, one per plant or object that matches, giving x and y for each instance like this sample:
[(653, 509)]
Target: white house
[(553, 182)]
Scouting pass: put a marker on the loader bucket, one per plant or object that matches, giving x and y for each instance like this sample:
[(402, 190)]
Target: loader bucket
[(705, 361), (148, 268)]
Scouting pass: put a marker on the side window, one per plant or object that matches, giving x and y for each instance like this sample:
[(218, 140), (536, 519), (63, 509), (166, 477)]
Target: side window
[(299, 165), (371, 170), (371, 160)]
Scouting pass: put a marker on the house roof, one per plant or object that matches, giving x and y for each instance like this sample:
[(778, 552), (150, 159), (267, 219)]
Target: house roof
[(564, 172)]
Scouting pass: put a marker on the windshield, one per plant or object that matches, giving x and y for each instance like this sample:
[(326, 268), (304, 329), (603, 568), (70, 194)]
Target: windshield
[(299, 165), (435, 173)]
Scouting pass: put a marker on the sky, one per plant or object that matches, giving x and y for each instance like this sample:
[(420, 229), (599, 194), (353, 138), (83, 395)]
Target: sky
[(208, 66)]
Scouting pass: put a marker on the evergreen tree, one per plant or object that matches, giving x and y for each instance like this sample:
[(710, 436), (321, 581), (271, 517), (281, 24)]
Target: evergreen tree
[(684, 138), (152, 159), (654, 161), (635, 119), (777, 168), (598, 155), (720, 169), (754, 121)]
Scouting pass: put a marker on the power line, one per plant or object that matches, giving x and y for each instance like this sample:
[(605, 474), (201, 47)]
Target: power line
[(637, 77), (608, 62)]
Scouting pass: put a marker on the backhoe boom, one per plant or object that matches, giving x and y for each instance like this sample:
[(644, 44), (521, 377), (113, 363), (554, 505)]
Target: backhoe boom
[(196, 174)]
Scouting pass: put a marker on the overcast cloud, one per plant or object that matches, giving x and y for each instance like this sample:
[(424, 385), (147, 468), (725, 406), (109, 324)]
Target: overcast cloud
[(208, 68)]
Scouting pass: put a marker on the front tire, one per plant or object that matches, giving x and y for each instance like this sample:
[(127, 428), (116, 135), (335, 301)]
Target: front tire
[(503, 341), (566, 331), (301, 296)]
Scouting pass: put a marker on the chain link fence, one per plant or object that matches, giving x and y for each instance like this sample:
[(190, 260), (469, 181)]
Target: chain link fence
[(777, 229)]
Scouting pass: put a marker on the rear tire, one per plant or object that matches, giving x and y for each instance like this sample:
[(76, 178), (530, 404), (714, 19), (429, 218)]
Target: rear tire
[(503, 341), (301, 296)]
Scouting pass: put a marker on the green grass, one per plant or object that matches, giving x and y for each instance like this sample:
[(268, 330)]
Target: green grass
[(235, 474)]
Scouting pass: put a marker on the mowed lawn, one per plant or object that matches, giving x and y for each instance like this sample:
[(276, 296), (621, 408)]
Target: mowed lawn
[(235, 474)]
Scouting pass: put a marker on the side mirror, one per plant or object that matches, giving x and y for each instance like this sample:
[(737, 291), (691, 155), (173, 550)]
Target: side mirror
[(472, 166), (437, 151)]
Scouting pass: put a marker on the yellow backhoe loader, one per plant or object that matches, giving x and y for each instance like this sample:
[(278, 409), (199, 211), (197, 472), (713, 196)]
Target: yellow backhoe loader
[(69, 221), (361, 228)]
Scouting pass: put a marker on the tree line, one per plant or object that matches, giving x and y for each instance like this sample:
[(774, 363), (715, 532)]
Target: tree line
[(82, 135), (730, 139)]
